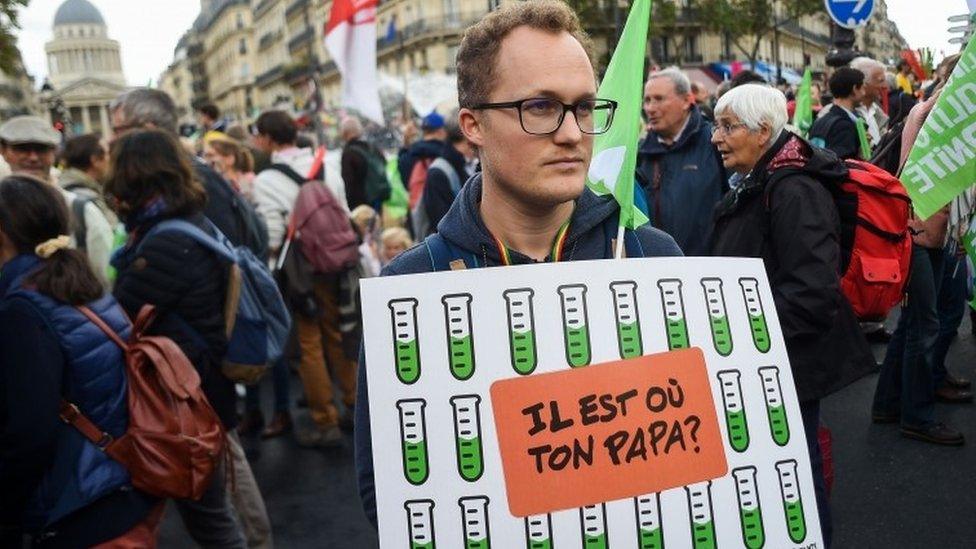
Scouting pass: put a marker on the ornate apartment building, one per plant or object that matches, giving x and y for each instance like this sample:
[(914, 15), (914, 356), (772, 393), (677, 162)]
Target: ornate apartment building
[(249, 55)]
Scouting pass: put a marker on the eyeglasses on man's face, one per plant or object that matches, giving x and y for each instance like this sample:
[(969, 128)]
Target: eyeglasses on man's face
[(543, 116)]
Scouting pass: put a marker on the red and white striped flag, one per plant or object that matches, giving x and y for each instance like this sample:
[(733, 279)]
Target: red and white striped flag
[(350, 38)]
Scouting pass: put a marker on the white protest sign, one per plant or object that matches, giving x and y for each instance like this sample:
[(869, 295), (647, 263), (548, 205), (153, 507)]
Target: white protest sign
[(700, 447)]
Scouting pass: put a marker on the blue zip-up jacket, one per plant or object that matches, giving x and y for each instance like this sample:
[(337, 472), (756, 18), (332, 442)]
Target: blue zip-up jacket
[(463, 228), (49, 343), (683, 182)]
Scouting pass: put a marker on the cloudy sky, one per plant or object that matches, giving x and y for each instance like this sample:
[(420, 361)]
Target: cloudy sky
[(149, 29)]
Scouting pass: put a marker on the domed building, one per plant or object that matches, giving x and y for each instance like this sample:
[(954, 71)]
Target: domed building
[(84, 67)]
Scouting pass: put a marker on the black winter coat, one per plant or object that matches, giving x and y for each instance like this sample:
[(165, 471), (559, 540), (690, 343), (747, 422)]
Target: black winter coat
[(783, 213), (186, 282)]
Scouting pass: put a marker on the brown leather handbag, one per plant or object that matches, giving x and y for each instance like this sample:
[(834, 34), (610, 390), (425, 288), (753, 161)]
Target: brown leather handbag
[(174, 439)]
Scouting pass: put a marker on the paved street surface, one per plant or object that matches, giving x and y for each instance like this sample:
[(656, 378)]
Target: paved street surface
[(889, 492)]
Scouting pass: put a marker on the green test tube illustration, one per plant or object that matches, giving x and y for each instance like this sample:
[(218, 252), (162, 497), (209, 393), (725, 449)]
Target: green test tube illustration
[(717, 315), (474, 517), (757, 315), (792, 502), (521, 330), (674, 313), (460, 339), (628, 319), (420, 523), (735, 412), (413, 440), (406, 347), (775, 409), (467, 436), (650, 534), (750, 511), (538, 532), (576, 331), (700, 510), (593, 522)]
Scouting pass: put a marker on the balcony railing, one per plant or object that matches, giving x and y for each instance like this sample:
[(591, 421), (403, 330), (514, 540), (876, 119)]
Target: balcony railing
[(294, 7), (262, 7), (270, 75), (303, 38), (268, 39), (449, 24), (793, 27)]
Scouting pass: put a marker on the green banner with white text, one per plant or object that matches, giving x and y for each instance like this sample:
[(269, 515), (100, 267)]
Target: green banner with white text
[(942, 162)]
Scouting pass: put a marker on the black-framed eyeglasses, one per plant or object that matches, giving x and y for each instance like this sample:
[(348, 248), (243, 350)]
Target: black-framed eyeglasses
[(543, 116)]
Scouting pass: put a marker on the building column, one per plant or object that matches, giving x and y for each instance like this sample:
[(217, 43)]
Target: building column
[(85, 118), (106, 125)]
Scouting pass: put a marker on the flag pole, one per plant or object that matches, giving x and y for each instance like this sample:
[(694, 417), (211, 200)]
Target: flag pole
[(619, 252)]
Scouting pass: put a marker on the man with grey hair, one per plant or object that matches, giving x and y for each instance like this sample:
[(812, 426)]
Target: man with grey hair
[(226, 208), (677, 166), (363, 167), (875, 88)]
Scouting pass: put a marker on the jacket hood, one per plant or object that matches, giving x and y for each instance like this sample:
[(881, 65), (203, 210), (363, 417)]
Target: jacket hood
[(465, 229), (653, 146), (795, 153)]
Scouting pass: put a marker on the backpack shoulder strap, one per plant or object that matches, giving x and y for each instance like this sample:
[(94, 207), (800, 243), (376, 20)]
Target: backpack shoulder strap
[(81, 226), (443, 254), (289, 172), (179, 226), (452, 176)]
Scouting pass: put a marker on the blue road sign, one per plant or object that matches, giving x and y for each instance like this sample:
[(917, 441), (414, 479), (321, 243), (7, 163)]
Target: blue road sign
[(850, 14)]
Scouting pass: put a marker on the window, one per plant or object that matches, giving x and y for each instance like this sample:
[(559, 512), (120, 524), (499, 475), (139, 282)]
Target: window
[(240, 20), (242, 46)]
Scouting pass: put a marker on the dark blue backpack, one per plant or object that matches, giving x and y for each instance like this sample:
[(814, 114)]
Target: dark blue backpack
[(257, 328), (444, 255)]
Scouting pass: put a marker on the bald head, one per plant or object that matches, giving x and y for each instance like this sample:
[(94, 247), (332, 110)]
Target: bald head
[(350, 129)]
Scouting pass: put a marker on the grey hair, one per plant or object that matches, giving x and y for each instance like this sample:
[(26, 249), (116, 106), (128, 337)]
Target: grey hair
[(142, 106), (352, 127), (866, 65), (891, 81), (755, 105), (682, 85)]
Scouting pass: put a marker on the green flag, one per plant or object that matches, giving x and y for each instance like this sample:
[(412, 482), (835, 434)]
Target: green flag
[(942, 162), (615, 152), (803, 112), (862, 138)]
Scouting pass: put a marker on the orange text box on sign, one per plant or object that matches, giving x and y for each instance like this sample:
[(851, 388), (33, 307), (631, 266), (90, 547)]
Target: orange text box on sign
[(607, 432)]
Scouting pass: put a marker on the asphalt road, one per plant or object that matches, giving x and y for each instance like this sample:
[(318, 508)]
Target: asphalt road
[(889, 492)]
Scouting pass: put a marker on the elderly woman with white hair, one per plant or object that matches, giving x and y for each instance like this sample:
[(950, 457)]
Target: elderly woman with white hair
[(781, 210)]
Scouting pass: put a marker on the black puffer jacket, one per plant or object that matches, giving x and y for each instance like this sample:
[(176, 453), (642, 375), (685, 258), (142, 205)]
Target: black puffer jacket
[(186, 282), (793, 225)]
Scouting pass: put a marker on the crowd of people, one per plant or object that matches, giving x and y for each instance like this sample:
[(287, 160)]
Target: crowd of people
[(500, 181)]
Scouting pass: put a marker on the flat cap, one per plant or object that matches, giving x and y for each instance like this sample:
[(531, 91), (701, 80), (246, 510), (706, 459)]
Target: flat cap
[(29, 129)]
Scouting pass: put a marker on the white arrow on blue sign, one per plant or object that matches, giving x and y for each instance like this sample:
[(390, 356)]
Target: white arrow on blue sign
[(850, 14)]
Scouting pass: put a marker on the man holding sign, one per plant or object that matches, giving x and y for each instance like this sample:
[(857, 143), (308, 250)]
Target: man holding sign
[(529, 103)]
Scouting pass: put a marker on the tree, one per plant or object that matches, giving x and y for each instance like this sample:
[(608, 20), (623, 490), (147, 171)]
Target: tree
[(747, 22), (664, 25), (10, 61)]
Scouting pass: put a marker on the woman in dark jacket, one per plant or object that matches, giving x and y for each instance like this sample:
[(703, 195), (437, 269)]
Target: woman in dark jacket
[(58, 487), (781, 210), (151, 181)]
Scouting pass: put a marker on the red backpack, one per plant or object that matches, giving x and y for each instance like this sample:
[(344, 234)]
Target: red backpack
[(875, 245), (418, 180), (322, 228), (174, 438), (881, 247)]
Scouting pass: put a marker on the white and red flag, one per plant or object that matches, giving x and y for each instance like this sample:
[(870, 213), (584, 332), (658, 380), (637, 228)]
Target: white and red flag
[(350, 38)]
